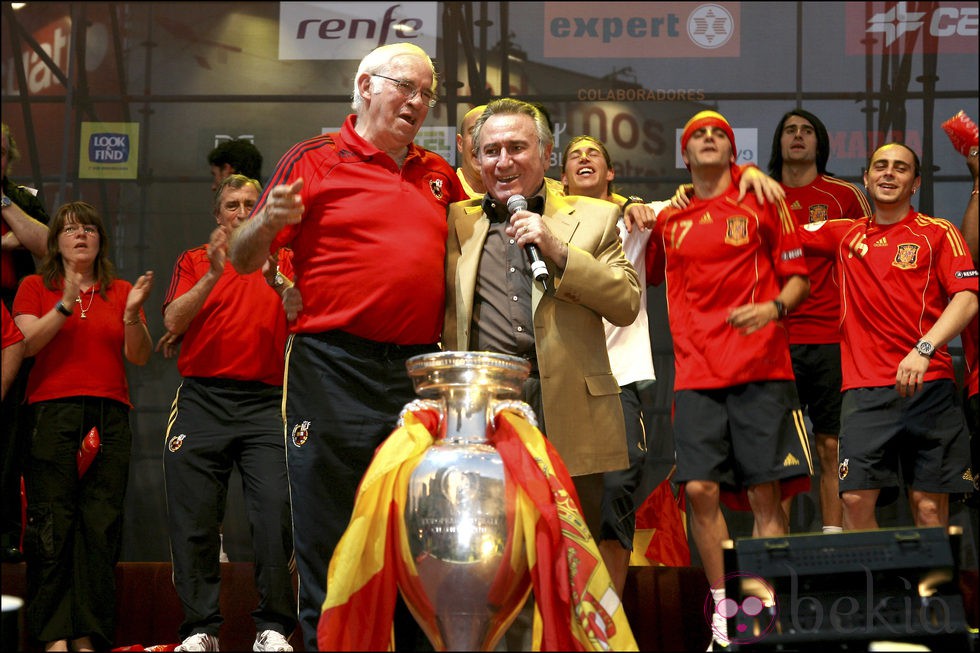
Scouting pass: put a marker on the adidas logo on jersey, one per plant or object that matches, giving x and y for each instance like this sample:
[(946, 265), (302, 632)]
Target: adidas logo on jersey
[(881, 242), (706, 219), (796, 205), (790, 460)]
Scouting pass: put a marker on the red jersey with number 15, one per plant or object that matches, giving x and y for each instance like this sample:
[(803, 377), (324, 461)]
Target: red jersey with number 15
[(722, 254), (895, 281)]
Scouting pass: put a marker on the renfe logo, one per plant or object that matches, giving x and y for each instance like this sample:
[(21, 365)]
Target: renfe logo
[(333, 30), (108, 148)]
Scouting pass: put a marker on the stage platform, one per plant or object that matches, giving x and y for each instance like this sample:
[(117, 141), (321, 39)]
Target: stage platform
[(664, 605)]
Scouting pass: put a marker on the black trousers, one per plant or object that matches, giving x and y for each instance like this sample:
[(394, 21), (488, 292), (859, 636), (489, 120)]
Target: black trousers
[(74, 526), (343, 395), (215, 425)]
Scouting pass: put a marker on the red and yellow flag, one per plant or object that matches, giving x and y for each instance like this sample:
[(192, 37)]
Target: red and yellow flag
[(576, 607), (361, 581), (661, 533)]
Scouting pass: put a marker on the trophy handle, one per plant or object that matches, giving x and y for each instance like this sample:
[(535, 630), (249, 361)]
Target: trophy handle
[(419, 404), (519, 407)]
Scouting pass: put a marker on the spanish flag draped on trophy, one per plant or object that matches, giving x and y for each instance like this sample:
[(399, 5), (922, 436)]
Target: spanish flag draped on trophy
[(576, 608)]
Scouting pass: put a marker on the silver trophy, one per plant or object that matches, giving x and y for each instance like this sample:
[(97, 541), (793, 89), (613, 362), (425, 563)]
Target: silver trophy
[(470, 573)]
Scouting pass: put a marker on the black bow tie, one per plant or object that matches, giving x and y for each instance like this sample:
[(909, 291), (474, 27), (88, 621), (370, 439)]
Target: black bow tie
[(497, 211)]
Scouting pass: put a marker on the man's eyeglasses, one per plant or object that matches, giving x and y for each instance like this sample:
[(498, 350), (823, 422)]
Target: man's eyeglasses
[(410, 90), (72, 229)]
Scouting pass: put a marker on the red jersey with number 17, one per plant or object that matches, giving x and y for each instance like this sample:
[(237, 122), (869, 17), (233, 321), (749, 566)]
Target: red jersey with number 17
[(816, 320), (722, 254), (895, 281)]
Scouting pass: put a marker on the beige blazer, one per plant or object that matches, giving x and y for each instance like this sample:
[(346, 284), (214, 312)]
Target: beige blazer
[(583, 414)]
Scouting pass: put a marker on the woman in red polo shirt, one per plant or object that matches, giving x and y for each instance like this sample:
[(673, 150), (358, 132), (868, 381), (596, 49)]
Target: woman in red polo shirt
[(83, 322)]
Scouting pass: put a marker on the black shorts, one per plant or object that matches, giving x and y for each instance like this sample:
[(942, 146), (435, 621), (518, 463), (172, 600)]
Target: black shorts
[(925, 436), (971, 408), (818, 383), (741, 436)]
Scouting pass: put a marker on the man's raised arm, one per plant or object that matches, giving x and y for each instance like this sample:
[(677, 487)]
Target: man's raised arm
[(250, 242)]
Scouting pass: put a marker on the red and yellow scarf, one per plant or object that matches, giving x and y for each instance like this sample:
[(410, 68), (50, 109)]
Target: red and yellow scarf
[(576, 607)]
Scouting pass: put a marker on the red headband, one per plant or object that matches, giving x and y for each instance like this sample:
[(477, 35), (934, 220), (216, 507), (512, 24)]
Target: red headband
[(707, 119)]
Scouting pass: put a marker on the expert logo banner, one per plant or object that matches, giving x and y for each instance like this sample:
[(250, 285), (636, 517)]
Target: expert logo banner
[(335, 30), (655, 29)]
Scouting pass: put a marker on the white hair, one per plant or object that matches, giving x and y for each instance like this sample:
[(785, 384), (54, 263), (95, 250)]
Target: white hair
[(377, 62)]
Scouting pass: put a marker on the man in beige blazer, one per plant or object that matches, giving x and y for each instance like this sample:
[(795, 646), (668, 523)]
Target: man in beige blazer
[(493, 304)]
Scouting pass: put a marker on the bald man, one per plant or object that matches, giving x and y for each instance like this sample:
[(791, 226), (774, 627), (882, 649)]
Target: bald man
[(469, 169)]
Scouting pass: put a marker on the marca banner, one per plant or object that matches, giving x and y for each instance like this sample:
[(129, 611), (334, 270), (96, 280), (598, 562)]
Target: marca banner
[(109, 150), (341, 30), (914, 27), (648, 29)]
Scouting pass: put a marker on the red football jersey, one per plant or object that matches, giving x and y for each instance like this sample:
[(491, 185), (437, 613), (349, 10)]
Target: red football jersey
[(816, 320), (895, 281), (722, 254)]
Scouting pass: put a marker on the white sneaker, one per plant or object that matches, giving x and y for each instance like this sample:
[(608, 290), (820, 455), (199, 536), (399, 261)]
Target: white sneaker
[(271, 640), (199, 642), (719, 632)]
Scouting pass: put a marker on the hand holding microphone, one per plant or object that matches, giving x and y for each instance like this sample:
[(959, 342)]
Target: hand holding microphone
[(539, 269)]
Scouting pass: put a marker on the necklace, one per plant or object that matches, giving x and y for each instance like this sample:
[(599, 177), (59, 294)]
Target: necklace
[(91, 297)]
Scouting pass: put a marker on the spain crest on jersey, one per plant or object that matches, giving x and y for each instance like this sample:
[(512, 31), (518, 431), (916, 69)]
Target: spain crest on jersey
[(435, 185), (738, 230), (301, 433), (906, 256), (818, 212)]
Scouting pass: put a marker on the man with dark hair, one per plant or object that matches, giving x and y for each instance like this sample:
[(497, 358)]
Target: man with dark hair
[(908, 286), (971, 336), (236, 156), (587, 170), (800, 149), (734, 269)]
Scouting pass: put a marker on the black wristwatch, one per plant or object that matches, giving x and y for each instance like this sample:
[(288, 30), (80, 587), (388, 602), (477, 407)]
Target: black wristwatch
[(61, 308), (780, 309), (925, 348)]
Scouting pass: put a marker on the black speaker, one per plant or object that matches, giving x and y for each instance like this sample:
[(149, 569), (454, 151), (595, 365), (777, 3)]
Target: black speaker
[(846, 590)]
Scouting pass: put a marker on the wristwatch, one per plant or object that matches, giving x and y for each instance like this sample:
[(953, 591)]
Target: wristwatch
[(278, 280), (633, 199), (780, 308), (5, 202), (925, 348)]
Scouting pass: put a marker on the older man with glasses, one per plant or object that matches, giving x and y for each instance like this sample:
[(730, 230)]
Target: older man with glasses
[(364, 211)]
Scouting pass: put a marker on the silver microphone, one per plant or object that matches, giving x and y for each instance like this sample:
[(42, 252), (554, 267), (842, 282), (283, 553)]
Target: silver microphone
[(539, 269)]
